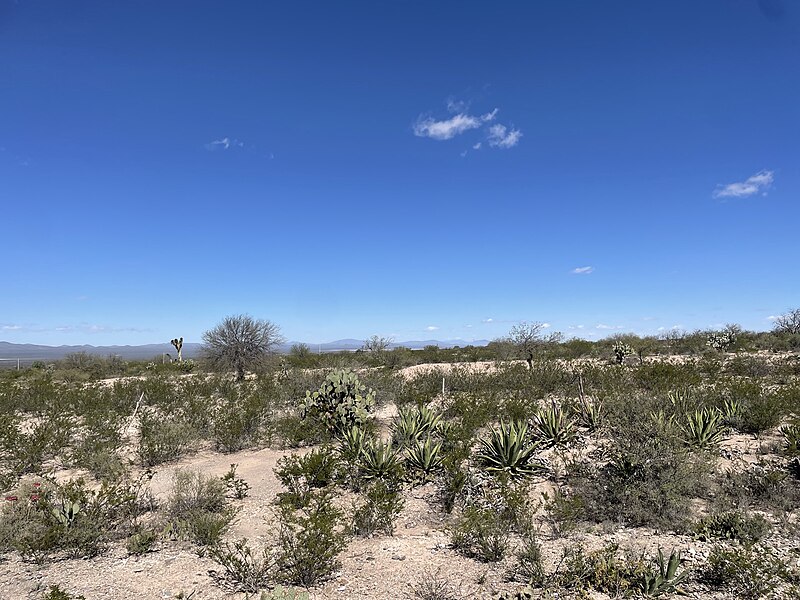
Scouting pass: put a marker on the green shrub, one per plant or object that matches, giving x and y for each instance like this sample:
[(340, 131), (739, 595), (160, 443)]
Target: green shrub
[(383, 503), (481, 533), (56, 593), (235, 485), (309, 542), (141, 541), (650, 479), (161, 439), (529, 565), (301, 475), (196, 508), (748, 572), (243, 570), (733, 525), (604, 571)]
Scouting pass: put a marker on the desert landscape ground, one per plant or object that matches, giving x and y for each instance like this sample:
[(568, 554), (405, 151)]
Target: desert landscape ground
[(595, 471)]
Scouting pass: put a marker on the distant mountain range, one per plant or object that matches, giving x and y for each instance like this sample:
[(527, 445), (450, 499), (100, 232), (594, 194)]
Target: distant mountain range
[(192, 350)]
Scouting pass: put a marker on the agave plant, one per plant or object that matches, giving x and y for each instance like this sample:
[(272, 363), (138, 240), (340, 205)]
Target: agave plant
[(424, 458), (412, 424), (379, 460), (664, 579), (703, 427), (351, 444), (589, 413), (663, 422), (508, 451), (791, 439), (553, 427)]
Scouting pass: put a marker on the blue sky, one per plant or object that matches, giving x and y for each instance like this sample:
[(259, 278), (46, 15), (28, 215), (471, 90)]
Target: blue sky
[(410, 169)]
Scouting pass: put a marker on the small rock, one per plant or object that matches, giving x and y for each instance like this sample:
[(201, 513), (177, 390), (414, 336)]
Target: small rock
[(398, 556)]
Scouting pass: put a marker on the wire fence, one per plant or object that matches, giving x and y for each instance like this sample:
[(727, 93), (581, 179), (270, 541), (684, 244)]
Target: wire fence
[(21, 363)]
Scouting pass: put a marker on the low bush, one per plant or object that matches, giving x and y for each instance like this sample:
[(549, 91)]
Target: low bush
[(748, 572), (309, 542), (382, 504)]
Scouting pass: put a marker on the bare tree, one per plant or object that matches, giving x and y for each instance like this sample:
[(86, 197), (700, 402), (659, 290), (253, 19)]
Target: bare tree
[(528, 339), (377, 344), (789, 322), (241, 342)]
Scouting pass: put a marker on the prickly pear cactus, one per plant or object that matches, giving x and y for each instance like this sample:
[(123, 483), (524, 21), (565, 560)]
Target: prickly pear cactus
[(341, 403)]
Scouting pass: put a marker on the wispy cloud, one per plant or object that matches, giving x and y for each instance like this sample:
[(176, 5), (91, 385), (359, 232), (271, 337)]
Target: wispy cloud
[(489, 320), (225, 143), (431, 328), (462, 121), (605, 327), (756, 184), (449, 128), (582, 270), (501, 137)]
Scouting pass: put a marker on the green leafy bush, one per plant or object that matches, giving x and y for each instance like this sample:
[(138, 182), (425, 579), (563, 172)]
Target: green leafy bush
[(309, 542), (301, 475), (748, 572), (481, 533), (733, 525), (383, 503)]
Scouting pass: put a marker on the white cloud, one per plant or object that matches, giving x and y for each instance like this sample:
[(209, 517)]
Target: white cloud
[(224, 144), (489, 320), (758, 183), (546, 325), (489, 116), (773, 318), (501, 137), (604, 326), (477, 146), (431, 328), (582, 270), (445, 130), (11, 327), (576, 326)]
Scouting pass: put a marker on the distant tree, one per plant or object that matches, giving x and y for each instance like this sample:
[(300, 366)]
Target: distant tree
[(789, 322), (300, 351), (377, 344), (528, 339), (241, 342)]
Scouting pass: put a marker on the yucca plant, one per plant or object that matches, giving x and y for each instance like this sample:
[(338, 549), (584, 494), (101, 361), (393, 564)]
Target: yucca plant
[(553, 427), (703, 427), (508, 450), (664, 579), (424, 458), (379, 460)]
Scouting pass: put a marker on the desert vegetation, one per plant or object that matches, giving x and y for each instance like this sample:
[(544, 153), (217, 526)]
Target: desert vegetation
[(532, 467)]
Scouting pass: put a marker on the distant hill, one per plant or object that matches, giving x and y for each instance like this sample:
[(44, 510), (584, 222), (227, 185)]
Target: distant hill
[(192, 350)]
